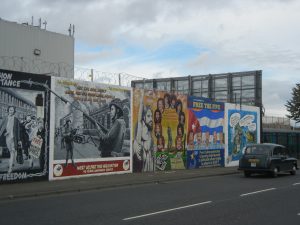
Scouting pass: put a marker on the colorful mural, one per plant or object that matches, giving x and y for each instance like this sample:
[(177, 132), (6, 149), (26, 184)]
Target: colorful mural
[(159, 120), (24, 119), (90, 128), (242, 128), (205, 136)]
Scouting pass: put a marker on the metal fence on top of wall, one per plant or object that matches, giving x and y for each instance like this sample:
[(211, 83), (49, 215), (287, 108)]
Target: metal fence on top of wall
[(36, 66)]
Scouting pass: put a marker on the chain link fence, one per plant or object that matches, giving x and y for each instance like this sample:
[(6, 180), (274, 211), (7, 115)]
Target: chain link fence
[(37, 66)]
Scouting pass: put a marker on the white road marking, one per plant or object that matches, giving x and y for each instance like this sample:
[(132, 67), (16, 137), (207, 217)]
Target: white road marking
[(296, 184), (167, 210), (298, 214), (256, 192)]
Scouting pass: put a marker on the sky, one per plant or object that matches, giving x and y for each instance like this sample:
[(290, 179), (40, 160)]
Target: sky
[(170, 38)]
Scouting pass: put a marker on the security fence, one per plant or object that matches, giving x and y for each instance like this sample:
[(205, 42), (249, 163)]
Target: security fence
[(276, 122), (36, 66)]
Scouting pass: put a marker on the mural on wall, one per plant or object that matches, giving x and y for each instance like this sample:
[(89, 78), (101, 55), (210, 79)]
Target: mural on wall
[(90, 127), (158, 130), (242, 129), (143, 140), (24, 122), (205, 136), (170, 130)]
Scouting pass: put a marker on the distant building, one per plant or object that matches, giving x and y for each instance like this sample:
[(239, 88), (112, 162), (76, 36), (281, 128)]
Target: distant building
[(33, 49), (10, 98), (243, 88)]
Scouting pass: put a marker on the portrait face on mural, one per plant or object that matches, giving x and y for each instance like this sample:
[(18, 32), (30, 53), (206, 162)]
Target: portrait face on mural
[(157, 116), (160, 105), (148, 119), (181, 118), (207, 137), (11, 110), (215, 137), (158, 129), (173, 101), (198, 138), (179, 143), (180, 130), (167, 100), (113, 112), (191, 138), (178, 106), (160, 143)]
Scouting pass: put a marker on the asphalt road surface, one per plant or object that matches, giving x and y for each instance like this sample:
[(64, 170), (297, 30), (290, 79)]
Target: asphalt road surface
[(230, 199)]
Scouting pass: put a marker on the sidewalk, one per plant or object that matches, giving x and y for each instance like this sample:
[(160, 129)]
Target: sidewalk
[(41, 188)]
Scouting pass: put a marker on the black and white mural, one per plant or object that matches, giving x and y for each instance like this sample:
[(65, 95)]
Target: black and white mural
[(90, 123), (24, 122)]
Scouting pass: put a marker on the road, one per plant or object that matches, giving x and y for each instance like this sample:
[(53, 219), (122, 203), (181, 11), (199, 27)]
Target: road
[(218, 200)]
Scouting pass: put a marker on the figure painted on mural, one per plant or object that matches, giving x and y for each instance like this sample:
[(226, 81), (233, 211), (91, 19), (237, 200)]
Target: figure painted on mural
[(68, 134), (181, 136), (157, 116), (41, 134), (167, 101), (215, 137), (173, 101), (178, 106), (191, 140), (112, 141), (161, 105), (198, 143), (178, 143), (181, 118), (143, 147), (11, 129), (158, 130), (160, 144), (207, 139), (26, 133), (237, 142)]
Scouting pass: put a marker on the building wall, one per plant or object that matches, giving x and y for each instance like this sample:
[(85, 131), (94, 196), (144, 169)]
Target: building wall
[(31, 49), (239, 87)]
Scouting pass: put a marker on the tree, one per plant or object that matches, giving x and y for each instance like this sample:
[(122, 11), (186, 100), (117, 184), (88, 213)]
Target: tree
[(293, 105)]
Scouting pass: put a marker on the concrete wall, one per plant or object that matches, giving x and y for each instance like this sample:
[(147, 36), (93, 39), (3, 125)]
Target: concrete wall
[(32, 49)]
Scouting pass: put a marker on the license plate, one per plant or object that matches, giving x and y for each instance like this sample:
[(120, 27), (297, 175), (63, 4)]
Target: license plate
[(253, 164)]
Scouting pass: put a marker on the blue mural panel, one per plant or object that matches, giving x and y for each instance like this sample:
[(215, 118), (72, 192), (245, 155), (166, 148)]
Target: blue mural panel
[(205, 140), (242, 130)]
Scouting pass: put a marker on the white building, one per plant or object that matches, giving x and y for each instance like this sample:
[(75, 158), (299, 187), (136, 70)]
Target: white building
[(33, 49)]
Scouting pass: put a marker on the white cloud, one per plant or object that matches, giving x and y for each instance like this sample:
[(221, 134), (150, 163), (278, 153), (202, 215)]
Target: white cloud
[(232, 36)]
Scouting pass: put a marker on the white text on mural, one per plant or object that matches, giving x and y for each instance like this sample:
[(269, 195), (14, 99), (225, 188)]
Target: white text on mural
[(6, 80)]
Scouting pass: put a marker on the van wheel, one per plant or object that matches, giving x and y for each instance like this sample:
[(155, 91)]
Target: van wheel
[(275, 172), (247, 173), (293, 172)]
